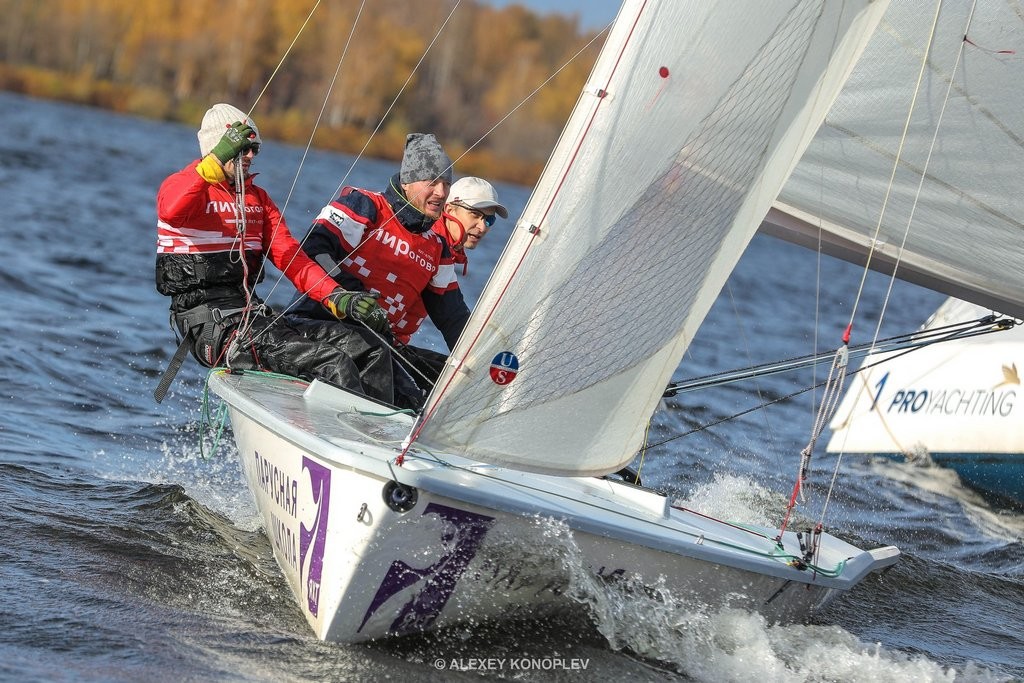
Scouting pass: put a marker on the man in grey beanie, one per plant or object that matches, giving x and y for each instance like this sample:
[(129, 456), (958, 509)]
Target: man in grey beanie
[(384, 242), (426, 175)]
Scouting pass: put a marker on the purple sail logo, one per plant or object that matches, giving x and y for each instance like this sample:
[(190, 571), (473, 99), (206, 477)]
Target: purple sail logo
[(504, 368), (464, 533), (313, 541)]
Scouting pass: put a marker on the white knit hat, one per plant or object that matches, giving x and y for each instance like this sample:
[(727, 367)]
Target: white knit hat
[(217, 120)]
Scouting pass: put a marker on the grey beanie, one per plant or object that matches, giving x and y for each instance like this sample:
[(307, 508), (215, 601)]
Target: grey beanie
[(424, 159), (216, 122)]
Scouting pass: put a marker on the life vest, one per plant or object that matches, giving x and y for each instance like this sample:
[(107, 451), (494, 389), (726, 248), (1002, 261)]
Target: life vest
[(395, 262), (198, 240)]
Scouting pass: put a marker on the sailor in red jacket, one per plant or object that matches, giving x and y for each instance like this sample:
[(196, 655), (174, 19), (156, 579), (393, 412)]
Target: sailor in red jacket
[(384, 242), (210, 256), (469, 214)]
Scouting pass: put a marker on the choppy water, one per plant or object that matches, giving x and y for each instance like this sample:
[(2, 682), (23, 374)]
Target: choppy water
[(127, 556)]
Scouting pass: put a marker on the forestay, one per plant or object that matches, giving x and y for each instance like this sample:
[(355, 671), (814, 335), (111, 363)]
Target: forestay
[(968, 218), (667, 165)]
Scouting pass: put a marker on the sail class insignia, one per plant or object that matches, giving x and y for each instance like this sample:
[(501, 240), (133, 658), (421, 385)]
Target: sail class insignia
[(504, 368)]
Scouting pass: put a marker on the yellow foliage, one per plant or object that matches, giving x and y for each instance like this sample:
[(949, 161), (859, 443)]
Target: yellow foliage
[(363, 83)]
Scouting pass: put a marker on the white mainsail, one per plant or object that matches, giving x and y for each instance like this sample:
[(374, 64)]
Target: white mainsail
[(968, 215), (666, 167)]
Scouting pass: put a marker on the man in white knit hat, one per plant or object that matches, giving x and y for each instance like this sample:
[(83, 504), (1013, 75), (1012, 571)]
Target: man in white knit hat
[(215, 228)]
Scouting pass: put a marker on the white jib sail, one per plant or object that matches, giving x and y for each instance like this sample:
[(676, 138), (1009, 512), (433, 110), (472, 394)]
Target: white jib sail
[(693, 117)]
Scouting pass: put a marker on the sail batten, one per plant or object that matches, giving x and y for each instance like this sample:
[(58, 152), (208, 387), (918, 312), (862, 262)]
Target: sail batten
[(660, 179)]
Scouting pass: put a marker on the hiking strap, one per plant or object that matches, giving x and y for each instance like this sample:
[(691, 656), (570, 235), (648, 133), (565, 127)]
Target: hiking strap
[(172, 368)]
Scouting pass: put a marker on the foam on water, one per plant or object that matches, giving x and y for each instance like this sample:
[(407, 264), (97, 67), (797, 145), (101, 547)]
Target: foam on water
[(644, 617), (736, 498), (207, 468)]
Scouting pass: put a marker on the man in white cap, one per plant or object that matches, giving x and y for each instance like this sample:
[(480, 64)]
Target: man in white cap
[(385, 243), (471, 211), (215, 227)]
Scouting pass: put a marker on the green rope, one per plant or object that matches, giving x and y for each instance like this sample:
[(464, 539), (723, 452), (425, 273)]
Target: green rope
[(219, 420), (208, 421), (401, 411)]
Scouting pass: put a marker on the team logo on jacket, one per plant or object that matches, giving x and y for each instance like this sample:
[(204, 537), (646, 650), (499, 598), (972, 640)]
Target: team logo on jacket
[(504, 368)]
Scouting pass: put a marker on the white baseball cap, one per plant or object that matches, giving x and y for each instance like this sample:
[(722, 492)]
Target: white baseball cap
[(476, 193)]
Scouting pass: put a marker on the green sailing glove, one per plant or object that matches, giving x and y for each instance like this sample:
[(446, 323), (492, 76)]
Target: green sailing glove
[(361, 306), (238, 137)]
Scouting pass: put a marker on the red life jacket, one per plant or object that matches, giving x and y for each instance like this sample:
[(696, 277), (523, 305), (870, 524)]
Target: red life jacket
[(198, 224), (395, 262)]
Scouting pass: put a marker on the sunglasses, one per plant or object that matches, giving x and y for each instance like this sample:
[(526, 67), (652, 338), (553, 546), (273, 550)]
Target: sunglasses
[(488, 220)]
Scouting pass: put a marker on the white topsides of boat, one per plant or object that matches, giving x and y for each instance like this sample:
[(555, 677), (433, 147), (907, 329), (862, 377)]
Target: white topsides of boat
[(347, 431)]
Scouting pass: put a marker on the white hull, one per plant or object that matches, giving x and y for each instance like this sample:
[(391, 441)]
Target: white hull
[(960, 402), (954, 397), (476, 542)]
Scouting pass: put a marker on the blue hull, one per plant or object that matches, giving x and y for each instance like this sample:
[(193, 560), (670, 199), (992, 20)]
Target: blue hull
[(997, 474)]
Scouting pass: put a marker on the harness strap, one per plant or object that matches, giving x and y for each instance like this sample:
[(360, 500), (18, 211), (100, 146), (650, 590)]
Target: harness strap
[(191, 319), (172, 368), (202, 314)]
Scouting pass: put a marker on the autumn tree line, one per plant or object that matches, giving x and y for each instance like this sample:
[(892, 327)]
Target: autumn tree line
[(355, 73)]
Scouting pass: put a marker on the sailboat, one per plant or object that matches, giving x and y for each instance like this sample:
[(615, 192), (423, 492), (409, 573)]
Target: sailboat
[(387, 524), (957, 402)]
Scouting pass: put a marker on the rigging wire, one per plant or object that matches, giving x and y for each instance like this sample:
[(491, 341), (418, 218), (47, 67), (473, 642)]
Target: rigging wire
[(397, 353), (530, 96), (483, 136), (920, 185), (244, 329), (383, 118), (995, 324), (958, 330), (284, 57), (332, 271), (757, 387), (895, 167), (312, 134), (394, 102), (835, 380)]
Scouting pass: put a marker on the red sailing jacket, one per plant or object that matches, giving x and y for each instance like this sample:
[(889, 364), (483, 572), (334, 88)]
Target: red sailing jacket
[(199, 218)]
